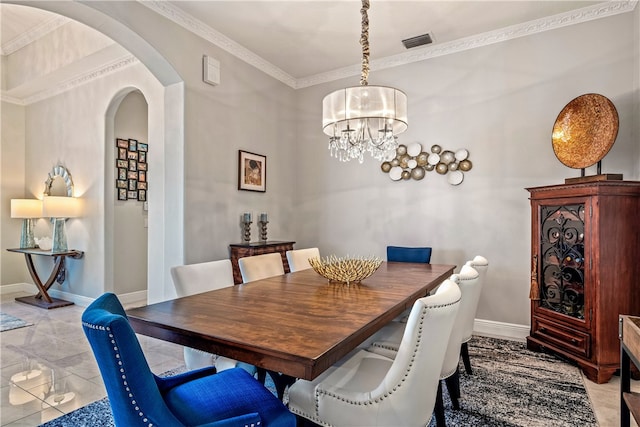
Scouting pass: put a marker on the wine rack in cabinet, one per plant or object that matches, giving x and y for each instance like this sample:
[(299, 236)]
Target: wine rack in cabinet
[(585, 270)]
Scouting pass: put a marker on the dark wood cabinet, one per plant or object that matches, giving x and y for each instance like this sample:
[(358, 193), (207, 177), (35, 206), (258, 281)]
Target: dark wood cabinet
[(585, 270), (241, 250)]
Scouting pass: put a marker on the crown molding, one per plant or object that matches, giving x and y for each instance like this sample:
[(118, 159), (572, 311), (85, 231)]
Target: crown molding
[(33, 34), (11, 99), (78, 80), (197, 27), (200, 29), (577, 16)]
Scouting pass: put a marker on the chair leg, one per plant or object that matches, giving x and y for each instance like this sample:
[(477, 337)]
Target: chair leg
[(464, 351), (303, 422), (453, 386), (262, 375), (439, 408)]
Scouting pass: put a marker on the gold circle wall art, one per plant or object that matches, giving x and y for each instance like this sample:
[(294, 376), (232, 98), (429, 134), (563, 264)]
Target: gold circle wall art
[(585, 130), (412, 162)]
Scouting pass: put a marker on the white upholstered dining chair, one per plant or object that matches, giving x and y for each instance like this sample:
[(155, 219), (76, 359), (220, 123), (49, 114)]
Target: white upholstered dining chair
[(260, 266), (193, 279), (368, 389), (481, 265), (298, 259), (387, 341)]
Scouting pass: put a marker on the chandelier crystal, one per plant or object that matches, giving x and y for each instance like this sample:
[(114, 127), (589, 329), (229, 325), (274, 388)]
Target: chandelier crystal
[(364, 118)]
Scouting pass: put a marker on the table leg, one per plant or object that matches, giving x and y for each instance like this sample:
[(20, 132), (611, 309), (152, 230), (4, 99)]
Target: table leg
[(42, 298), (625, 387)]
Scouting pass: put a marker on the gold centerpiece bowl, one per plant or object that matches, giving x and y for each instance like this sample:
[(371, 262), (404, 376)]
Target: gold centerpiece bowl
[(345, 270)]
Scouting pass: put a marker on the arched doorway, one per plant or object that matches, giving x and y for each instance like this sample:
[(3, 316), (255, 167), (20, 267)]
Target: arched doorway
[(166, 129)]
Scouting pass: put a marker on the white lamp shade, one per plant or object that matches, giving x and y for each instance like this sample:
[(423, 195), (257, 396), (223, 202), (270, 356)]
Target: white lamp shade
[(61, 207), (380, 105), (26, 208)]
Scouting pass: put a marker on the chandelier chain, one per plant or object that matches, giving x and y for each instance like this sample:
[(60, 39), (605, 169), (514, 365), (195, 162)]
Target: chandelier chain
[(364, 41)]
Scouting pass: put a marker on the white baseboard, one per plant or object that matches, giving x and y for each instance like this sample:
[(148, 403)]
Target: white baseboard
[(16, 287), (501, 329), (130, 299)]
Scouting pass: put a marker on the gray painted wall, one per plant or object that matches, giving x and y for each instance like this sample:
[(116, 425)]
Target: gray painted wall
[(12, 173), (500, 102)]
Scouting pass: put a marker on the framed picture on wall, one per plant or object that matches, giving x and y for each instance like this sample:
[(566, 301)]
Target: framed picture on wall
[(122, 143), (121, 184), (142, 156), (122, 153), (142, 195), (122, 163), (142, 166), (132, 195), (133, 145), (122, 173), (122, 194), (142, 146), (252, 171)]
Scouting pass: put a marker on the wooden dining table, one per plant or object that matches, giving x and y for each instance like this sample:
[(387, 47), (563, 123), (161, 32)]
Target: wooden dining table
[(297, 324)]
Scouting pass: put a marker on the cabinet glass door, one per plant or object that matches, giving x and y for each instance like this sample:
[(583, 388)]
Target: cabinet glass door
[(562, 259)]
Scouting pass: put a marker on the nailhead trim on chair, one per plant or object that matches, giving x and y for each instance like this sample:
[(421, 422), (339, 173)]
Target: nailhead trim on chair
[(124, 376), (122, 371), (379, 399)]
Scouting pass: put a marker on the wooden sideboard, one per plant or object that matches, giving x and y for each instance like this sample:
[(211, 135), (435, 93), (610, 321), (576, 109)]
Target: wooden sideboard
[(241, 250)]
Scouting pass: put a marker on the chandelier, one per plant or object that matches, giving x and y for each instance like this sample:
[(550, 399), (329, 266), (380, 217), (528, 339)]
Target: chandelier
[(364, 118)]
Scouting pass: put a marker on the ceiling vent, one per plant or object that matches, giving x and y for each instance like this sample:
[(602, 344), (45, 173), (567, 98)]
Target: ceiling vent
[(417, 41)]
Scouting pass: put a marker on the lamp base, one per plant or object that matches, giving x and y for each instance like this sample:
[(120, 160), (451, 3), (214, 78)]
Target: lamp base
[(27, 239), (59, 236)]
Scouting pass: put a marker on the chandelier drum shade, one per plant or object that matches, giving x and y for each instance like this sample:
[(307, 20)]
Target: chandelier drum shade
[(364, 118)]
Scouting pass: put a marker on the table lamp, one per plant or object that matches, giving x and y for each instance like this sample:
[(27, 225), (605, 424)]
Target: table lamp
[(59, 209), (28, 210)]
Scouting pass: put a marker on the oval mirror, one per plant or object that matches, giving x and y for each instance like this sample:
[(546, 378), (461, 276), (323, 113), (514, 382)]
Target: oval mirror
[(59, 182)]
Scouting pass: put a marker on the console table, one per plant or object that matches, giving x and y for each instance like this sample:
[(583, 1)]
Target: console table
[(241, 250), (58, 274)]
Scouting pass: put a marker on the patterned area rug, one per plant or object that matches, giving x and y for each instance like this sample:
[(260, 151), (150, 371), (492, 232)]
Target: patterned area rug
[(510, 387), (9, 322)]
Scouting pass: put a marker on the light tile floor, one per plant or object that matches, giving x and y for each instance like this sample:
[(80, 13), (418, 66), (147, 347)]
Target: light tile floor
[(61, 366)]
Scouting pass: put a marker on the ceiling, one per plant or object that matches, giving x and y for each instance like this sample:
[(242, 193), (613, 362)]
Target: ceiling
[(302, 39)]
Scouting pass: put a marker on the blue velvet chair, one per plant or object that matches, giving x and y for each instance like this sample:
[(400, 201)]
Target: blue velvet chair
[(405, 254), (196, 398)]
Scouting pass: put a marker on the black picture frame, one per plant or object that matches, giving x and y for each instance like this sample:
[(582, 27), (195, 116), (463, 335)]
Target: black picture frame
[(252, 171)]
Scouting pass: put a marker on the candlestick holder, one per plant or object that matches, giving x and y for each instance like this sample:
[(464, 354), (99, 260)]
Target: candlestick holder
[(247, 231), (263, 230)]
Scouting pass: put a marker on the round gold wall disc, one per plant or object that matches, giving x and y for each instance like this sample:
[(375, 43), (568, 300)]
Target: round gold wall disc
[(585, 130)]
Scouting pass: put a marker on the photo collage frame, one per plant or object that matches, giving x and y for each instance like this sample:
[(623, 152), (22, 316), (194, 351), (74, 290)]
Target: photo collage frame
[(131, 169)]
